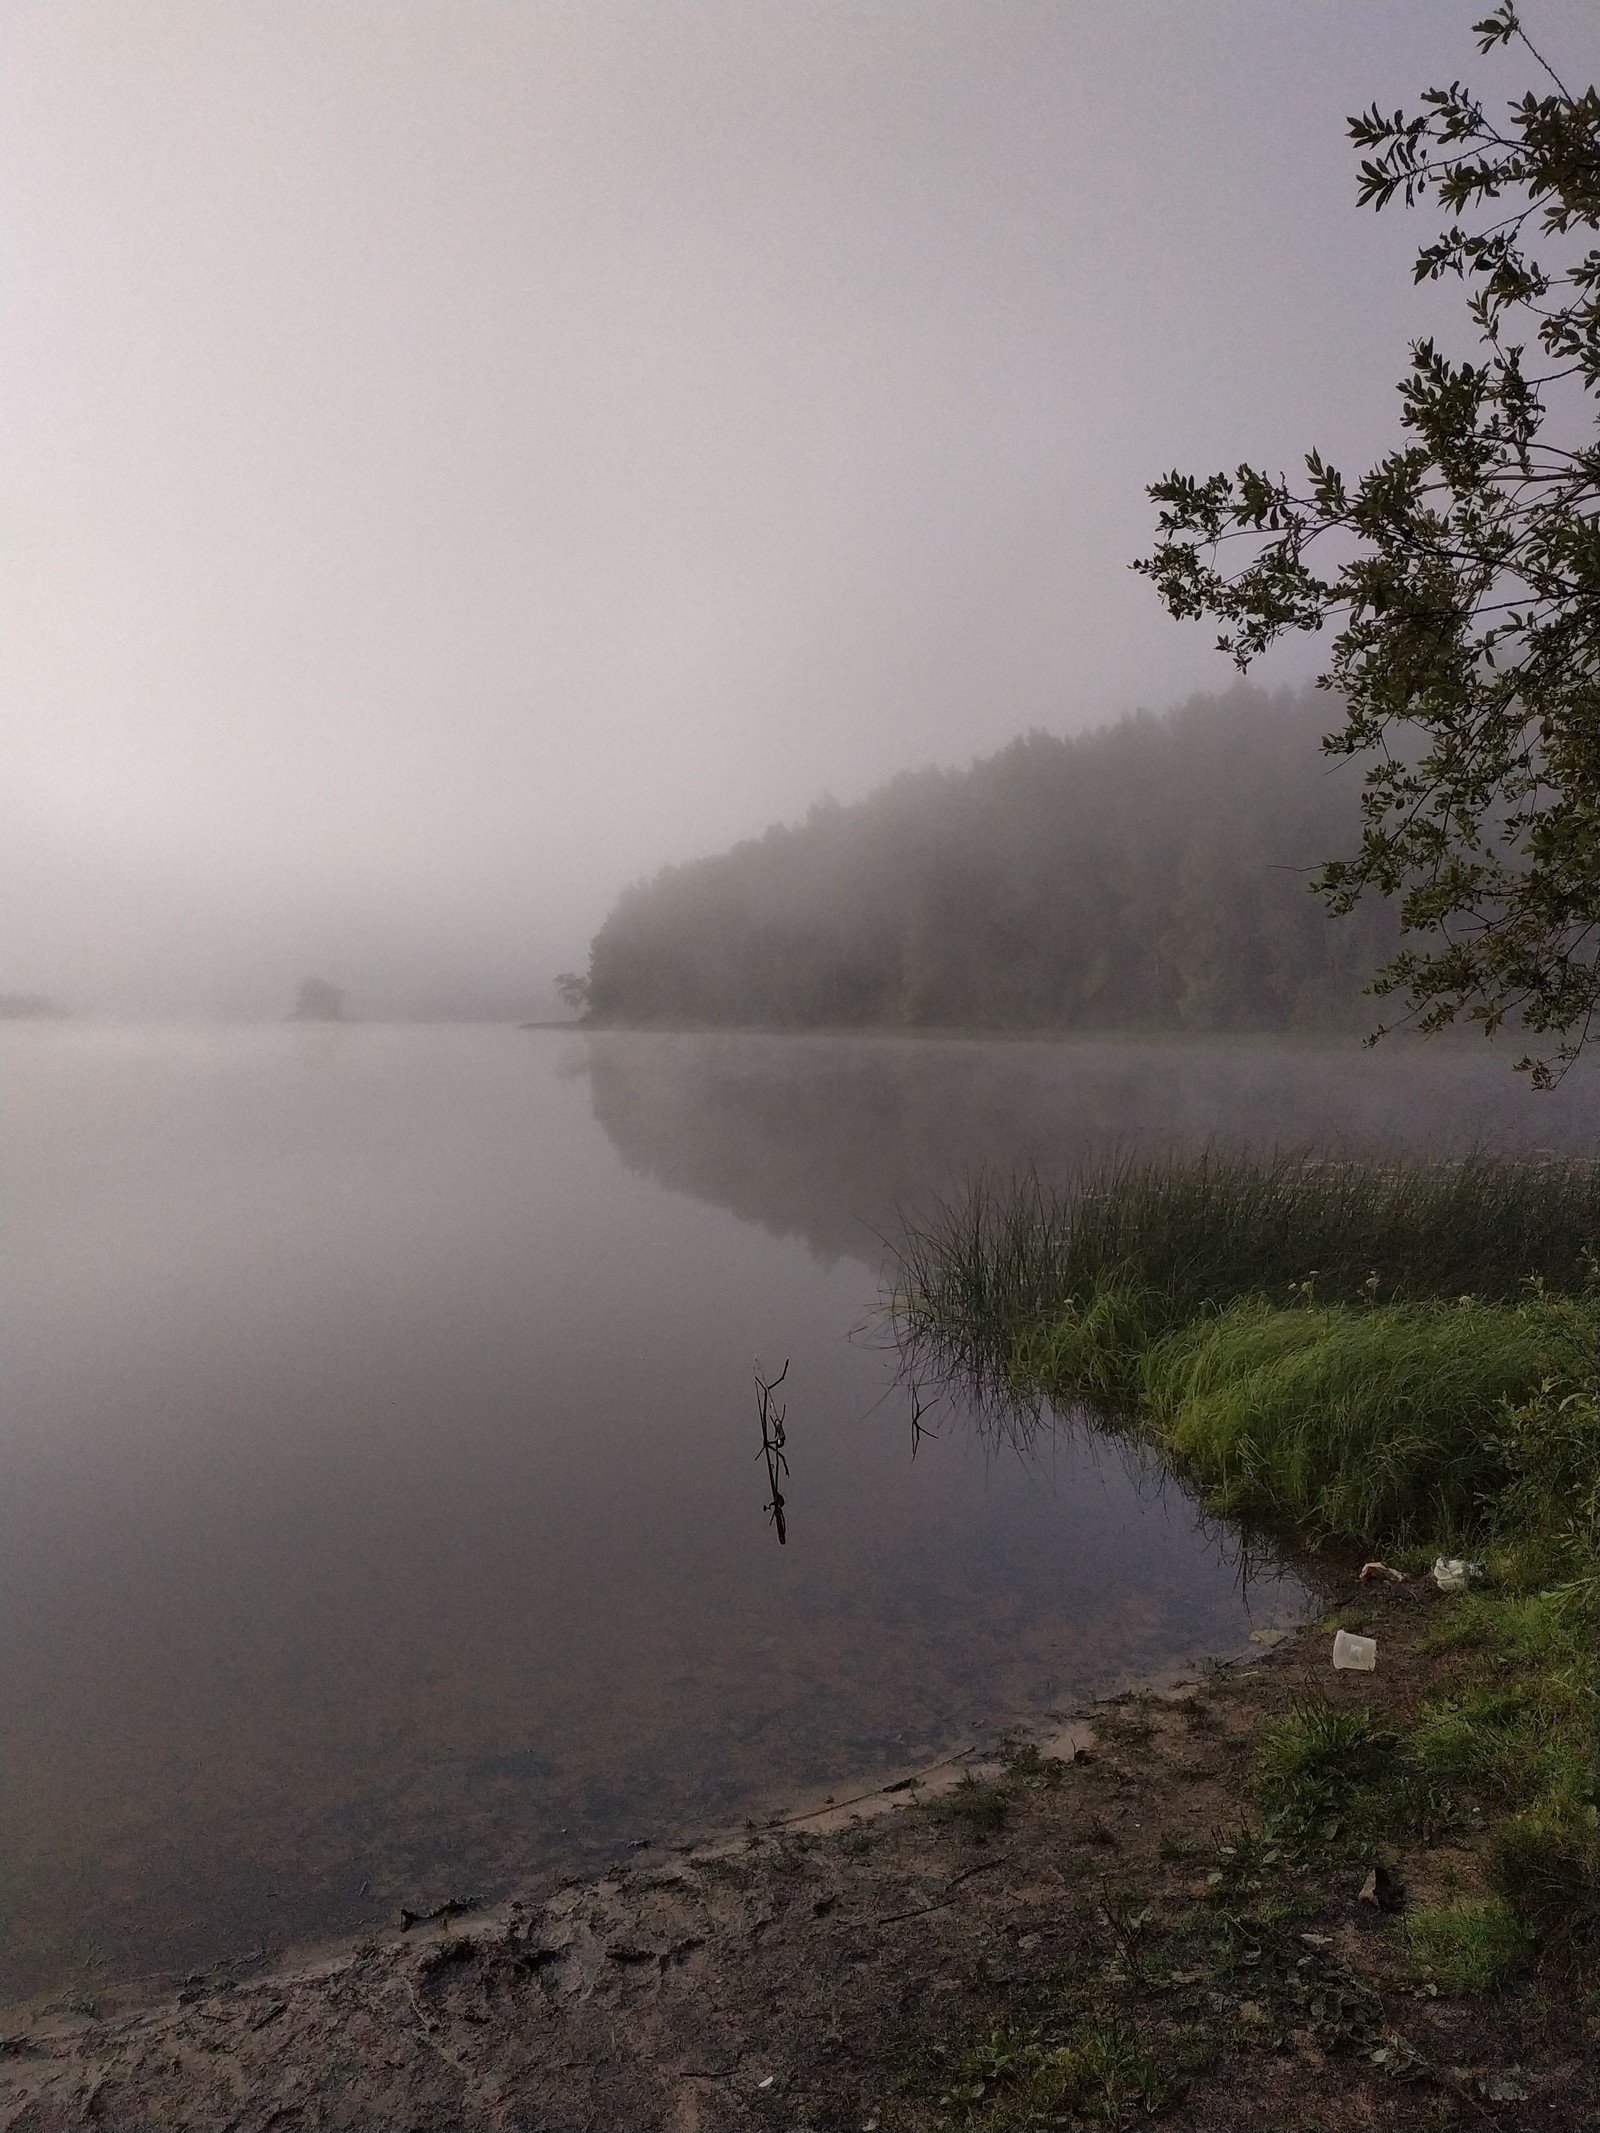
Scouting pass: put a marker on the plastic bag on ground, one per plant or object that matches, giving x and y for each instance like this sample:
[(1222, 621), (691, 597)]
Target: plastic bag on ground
[(1451, 1574)]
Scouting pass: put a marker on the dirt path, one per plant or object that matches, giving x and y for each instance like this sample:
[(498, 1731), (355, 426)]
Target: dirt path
[(1093, 1914)]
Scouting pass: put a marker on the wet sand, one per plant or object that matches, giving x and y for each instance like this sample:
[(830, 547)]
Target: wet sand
[(853, 1969)]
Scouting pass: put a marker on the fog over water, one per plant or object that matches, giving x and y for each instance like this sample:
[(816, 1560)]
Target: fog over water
[(381, 1513), (837, 1141), (460, 457)]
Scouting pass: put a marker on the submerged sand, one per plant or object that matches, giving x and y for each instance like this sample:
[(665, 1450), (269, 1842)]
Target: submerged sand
[(833, 1969)]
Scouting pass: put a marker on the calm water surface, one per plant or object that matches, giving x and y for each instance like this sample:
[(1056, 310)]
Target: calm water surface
[(380, 1509)]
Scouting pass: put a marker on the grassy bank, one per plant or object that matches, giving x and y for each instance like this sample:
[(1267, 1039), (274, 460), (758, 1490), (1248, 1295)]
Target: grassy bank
[(1066, 1287), (1400, 1361)]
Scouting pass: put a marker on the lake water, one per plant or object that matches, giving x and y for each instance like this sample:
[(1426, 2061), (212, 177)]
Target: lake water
[(381, 1514)]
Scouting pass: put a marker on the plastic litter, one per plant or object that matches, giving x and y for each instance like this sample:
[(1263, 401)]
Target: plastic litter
[(1356, 1655), (1372, 1572), (1453, 1575)]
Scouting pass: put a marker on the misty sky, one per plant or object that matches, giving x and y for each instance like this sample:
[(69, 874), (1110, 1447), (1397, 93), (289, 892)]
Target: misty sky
[(460, 456)]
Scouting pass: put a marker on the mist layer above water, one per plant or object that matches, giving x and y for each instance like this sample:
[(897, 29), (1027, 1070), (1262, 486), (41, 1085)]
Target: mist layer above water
[(382, 1511)]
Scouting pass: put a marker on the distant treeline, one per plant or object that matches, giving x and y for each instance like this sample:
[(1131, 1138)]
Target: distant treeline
[(1151, 874)]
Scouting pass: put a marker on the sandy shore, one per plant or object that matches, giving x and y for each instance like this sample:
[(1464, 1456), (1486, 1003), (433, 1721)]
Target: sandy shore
[(867, 1964), (252, 2042)]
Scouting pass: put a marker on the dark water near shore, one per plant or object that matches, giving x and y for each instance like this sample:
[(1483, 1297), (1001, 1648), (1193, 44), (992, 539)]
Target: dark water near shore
[(380, 1514)]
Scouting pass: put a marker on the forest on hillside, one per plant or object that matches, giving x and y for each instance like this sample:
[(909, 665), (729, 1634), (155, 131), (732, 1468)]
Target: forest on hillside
[(1152, 874)]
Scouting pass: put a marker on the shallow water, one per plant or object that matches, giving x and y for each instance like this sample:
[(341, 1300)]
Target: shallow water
[(380, 1508)]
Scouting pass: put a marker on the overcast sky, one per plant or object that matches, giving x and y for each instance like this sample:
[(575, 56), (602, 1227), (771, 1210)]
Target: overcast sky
[(460, 456)]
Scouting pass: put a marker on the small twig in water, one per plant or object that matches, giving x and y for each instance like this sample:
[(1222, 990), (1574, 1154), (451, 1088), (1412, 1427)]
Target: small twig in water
[(918, 1432), (772, 1445)]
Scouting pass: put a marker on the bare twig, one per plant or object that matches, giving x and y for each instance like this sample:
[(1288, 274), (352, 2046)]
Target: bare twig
[(986, 1866), (452, 1907), (772, 1441)]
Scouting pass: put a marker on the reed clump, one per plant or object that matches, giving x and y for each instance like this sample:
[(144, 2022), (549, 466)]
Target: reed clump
[(1064, 1287), (1403, 1357), (1354, 1420)]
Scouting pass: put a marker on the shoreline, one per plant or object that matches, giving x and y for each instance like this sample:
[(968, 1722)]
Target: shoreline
[(1096, 1916), (1293, 1893), (58, 2015), (808, 1812)]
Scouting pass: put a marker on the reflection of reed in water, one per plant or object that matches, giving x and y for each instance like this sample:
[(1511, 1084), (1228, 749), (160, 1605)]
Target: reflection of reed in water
[(1324, 1345), (772, 1445), (1013, 1418)]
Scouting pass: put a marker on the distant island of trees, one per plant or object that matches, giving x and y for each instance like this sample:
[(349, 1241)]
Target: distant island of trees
[(29, 1007), (318, 1001), (1150, 874)]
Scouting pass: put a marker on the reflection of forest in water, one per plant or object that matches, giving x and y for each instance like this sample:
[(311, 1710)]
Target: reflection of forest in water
[(828, 1138)]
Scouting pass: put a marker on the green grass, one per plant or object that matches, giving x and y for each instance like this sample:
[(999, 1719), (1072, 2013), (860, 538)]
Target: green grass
[(1467, 1946), (1510, 1754), (1030, 1770), (1099, 2072), (975, 1806), (1488, 1738), (1064, 1287), (1384, 1421), (1319, 1768), (1404, 1359), (1388, 1445)]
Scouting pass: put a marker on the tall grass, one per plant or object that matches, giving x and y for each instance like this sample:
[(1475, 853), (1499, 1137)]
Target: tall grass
[(1392, 1356), (1387, 1420), (1065, 1286)]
